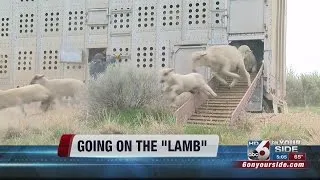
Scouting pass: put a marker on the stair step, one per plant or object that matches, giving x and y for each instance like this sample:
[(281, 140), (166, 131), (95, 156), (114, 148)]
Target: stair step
[(206, 123), (238, 83), (228, 98), (241, 80), (238, 86), (230, 93), (211, 116), (219, 105), (223, 96), (225, 88), (210, 111), (222, 101)]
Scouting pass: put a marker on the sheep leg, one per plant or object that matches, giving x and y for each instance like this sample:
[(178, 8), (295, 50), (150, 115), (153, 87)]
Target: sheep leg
[(254, 69), (46, 104), (75, 100), (233, 83), (23, 110), (226, 72), (174, 94), (209, 91), (173, 99), (245, 73), (59, 100), (194, 91), (68, 99), (219, 78), (166, 88)]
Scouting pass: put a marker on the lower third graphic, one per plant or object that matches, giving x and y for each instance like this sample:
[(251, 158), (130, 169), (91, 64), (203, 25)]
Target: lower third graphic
[(258, 150)]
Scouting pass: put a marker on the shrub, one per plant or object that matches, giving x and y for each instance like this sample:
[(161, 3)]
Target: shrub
[(123, 87), (303, 89)]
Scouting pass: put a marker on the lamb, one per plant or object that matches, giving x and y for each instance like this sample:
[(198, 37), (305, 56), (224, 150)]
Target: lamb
[(176, 84), (60, 88), (250, 61), (25, 95), (223, 60)]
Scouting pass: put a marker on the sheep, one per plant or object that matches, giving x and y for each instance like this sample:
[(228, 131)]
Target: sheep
[(60, 88), (176, 84), (250, 61), (223, 60), (25, 95)]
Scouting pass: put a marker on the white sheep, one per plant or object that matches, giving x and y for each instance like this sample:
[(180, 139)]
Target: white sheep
[(60, 88), (25, 95), (176, 84), (250, 61), (223, 60)]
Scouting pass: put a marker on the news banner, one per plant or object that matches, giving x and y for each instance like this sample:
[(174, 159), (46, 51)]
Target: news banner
[(140, 156)]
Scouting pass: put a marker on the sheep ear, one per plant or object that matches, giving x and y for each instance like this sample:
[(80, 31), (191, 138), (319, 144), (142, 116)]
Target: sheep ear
[(40, 76), (203, 53), (170, 70)]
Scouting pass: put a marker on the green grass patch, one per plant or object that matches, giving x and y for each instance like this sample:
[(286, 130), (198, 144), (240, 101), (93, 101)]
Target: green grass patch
[(227, 135)]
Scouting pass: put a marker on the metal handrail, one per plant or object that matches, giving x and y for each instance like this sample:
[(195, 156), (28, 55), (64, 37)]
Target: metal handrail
[(246, 98)]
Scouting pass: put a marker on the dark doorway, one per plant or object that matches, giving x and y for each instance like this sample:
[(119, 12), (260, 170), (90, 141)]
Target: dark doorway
[(257, 47), (94, 51), (97, 62)]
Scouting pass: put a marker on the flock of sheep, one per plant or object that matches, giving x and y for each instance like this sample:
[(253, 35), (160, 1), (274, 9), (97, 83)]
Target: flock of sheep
[(222, 59), (42, 90)]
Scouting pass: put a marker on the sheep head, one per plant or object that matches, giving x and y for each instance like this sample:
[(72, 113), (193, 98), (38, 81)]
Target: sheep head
[(164, 74), (37, 79), (245, 50), (197, 59)]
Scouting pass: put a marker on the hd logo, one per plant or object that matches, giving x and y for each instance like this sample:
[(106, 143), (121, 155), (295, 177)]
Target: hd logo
[(259, 150)]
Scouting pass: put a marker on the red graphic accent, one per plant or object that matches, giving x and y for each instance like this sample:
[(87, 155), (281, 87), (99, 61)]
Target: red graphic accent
[(297, 156), (65, 145)]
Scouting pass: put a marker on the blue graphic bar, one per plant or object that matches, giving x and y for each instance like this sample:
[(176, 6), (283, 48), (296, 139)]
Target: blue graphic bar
[(280, 156), (43, 161)]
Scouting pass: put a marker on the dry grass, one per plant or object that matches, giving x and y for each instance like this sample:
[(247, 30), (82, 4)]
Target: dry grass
[(46, 129), (40, 128), (304, 125)]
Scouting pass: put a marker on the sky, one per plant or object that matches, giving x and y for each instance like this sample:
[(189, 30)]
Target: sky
[(303, 35)]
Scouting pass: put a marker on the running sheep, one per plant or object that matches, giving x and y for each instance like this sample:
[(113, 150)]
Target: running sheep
[(26, 95), (223, 60), (176, 84), (250, 61), (60, 88)]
